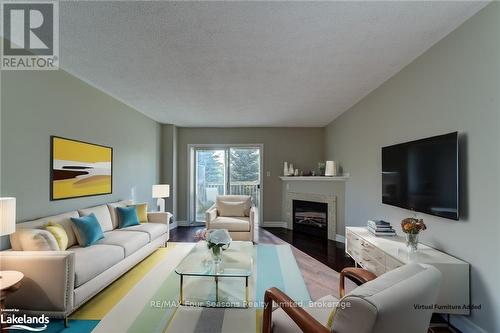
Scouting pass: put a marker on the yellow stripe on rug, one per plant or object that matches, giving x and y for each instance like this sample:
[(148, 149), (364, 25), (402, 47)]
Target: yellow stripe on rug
[(258, 320), (102, 303)]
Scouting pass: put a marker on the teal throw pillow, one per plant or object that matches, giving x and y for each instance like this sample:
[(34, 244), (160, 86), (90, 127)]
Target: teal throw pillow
[(127, 216), (88, 229)]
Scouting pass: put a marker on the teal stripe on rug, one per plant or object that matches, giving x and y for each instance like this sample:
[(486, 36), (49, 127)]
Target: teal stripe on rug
[(295, 286), (268, 271), (57, 326)]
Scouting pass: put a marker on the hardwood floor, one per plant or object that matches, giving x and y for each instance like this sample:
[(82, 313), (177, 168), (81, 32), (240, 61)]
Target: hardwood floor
[(328, 252), (184, 234)]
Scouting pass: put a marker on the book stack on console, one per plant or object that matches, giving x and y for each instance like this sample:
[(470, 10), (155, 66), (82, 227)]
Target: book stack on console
[(380, 228)]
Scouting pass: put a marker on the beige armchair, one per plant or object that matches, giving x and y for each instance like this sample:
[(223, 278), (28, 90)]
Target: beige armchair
[(385, 304), (234, 213)]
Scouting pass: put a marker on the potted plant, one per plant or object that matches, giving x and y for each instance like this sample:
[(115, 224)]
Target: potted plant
[(412, 227), (321, 168)]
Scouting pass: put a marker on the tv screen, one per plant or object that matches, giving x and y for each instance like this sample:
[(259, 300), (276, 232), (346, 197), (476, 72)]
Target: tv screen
[(422, 175)]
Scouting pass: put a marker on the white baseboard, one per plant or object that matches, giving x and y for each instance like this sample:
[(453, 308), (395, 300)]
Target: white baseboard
[(188, 224), (274, 224), (340, 238), (465, 325)]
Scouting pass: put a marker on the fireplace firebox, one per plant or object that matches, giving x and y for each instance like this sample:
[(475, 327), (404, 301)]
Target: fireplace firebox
[(310, 218)]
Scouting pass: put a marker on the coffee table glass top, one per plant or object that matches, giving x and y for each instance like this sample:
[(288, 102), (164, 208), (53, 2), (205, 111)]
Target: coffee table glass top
[(237, 261)]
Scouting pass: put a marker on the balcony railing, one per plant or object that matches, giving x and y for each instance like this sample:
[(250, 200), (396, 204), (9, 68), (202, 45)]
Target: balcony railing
[(207, 193)]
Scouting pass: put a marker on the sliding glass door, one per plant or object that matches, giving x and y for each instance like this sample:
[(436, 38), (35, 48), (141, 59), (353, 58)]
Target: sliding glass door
[(210, 177), (219, 170)]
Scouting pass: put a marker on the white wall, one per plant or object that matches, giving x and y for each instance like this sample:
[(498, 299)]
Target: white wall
[(455, 86)]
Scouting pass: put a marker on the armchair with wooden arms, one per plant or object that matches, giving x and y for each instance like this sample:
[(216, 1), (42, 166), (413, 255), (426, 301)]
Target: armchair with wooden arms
[(383, 304)]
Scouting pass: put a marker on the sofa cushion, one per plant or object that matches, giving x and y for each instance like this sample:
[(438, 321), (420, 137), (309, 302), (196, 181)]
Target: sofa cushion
[(233, 205), (231, 223), (130, 241), (27, 239), (63, 219), (101, 213), (112, 210), (154, 230), (93, 260)]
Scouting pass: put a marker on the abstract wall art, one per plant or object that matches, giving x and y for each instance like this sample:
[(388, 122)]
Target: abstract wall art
[(79, 169)]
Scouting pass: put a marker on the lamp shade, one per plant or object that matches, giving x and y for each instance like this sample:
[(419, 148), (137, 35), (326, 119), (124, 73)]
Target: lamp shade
[(7, 216), (161, 191)]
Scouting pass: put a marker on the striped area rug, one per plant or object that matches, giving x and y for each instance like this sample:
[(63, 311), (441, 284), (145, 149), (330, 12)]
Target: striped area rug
[(145, 299)]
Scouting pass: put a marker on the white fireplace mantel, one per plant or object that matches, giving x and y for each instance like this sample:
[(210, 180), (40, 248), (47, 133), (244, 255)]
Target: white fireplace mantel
[(329, 190), (316, 178)]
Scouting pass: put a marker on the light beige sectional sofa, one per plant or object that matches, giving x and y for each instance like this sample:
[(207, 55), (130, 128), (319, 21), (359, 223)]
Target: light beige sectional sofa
[(56, 283)]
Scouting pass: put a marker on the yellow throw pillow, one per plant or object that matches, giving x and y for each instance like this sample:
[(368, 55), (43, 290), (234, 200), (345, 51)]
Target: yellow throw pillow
[(142, 211), (59, 234)]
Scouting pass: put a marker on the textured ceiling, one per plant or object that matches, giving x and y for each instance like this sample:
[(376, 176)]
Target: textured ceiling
[(248, 63)]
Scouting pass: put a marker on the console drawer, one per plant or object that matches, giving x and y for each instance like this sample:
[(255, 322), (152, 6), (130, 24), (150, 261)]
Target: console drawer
[(372, 265), (353, 244), (367, 249)]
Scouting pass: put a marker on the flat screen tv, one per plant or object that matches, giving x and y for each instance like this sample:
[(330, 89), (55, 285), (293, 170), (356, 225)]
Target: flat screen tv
[(422, 175)]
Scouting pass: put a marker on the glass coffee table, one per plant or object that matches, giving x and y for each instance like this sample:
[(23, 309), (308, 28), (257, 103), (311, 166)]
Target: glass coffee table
[(237, 263)]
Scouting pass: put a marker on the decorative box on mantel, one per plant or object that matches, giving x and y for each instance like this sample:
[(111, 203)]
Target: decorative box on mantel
[(317, 190)]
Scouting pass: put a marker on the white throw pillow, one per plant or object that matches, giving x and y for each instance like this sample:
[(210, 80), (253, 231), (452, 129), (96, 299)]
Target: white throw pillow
[(35, 240), (102, 214)]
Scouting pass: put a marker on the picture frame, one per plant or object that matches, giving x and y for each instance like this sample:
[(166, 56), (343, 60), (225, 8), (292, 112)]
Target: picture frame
[(79, 169)]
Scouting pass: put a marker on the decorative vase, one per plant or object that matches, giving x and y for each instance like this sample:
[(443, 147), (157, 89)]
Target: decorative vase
[(290, 169), (412, 242), (216, 255), (217, 241), (285, 169), (330, 168)]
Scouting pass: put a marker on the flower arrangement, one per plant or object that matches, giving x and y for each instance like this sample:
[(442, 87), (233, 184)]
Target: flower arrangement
[(217, 240), (412, 227), (200, 235)]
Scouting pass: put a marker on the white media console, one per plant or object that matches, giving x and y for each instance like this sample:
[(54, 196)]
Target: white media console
[(382, 254)]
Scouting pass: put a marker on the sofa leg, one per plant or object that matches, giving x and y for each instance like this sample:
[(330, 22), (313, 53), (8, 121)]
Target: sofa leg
[(66, 322)]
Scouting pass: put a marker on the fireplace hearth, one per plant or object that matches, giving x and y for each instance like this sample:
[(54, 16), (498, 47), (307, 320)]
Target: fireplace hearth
[(310, 218)]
